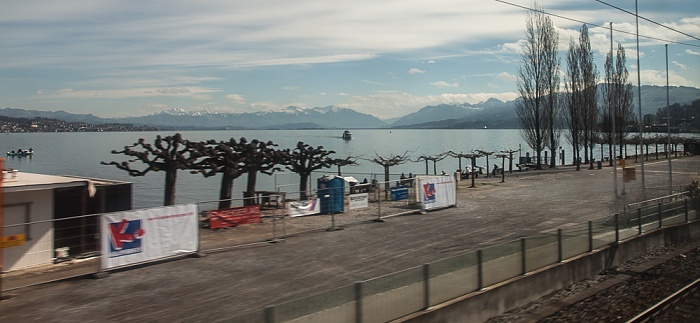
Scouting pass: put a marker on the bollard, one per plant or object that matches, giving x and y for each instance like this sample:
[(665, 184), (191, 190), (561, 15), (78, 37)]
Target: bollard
[(523, 256)]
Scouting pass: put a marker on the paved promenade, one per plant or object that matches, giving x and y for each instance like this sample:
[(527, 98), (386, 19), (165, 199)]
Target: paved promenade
[(233, 282)]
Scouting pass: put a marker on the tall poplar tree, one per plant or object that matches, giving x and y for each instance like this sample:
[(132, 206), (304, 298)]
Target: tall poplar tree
[(534, 81)]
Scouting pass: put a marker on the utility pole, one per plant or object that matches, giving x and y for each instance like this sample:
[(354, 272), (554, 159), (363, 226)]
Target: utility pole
[(668, 124), (639, 102)]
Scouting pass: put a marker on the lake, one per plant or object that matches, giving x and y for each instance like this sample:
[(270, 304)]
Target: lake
[(80, 154)]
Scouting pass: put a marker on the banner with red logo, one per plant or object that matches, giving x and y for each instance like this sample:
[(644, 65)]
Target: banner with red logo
[(234, 216), (303, 208), (132, 237), (436, 191)]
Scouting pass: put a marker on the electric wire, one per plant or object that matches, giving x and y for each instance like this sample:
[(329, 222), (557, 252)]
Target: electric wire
[(649, 20), (596, 25)]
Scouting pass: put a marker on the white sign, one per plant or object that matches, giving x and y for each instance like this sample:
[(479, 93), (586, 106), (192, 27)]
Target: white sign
[(302, 208), (359, 201), (143, 235), (436, 191)]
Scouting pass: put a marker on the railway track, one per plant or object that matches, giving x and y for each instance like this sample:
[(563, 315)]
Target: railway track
[(663, 286), (682, 306)]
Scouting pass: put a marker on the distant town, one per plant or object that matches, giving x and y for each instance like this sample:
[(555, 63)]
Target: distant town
[(11, 124)]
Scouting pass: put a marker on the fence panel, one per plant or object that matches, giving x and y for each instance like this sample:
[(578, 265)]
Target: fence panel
[(574, 240), (501, 262), (453, 277), (603, 232), (333, 306), (541, 250), (50, 250), (392, 296)]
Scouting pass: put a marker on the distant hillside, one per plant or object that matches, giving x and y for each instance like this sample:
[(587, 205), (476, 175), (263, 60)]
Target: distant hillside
[(491, 113)]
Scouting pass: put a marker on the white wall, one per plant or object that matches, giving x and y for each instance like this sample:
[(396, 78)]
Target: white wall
[(38, 250)]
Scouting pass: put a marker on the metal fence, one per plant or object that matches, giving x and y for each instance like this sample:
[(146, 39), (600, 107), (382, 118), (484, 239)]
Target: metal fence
[(405, 292)]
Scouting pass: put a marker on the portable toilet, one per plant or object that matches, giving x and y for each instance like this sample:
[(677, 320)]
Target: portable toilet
[(331, 193)]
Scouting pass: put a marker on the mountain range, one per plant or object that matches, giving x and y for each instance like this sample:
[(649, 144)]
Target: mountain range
[(491, 113)]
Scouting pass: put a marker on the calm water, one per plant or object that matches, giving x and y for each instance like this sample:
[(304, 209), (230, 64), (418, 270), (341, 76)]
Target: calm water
[(80, 154)]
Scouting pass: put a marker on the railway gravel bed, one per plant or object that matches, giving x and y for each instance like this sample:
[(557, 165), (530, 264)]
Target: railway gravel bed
[(618, 294)]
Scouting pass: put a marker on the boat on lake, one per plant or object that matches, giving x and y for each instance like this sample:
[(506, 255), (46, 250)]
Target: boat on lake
[(347, 135), (23, 153)]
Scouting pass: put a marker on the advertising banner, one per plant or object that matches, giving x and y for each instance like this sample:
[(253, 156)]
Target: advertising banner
[(143, 235), (399, 193), (302, 208), (436, 192), (234, 216), (359, 201)]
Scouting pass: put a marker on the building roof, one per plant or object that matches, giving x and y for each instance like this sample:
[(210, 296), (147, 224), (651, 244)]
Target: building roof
[(16, 181)]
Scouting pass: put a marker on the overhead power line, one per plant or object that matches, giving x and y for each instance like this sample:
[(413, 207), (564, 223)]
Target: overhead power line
[(596, 25), (649, 20)]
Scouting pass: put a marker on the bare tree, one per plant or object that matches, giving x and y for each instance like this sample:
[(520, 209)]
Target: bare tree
[(222, 157), (303, 160), (624, 111), (433, 159), (535, 77), (168, 154), (387, 162), (572, 102), (347, 161), (589, 97)]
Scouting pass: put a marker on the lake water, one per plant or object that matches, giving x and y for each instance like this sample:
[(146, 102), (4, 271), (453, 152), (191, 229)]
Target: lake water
[(80, 154)]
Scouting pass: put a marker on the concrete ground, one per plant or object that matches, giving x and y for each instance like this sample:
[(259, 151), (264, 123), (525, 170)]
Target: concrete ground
[(229, 283)]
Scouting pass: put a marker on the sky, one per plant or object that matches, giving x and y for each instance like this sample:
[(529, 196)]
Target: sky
[(388, 58)]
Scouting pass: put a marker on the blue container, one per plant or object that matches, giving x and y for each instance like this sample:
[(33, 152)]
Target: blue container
[(331, 193)]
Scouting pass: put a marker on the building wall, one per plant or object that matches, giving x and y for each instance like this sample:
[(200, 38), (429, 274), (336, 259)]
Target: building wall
[(38, 248)]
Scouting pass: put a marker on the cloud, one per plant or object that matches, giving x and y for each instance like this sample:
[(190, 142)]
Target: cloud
[(505, 76), (682, 66), (692, 52), (415, 71), (236, 98), (445, 84), (197, 93), (654, 77), (290, 88)]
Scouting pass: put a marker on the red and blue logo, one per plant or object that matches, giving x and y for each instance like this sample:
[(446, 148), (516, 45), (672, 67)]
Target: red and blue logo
[(428, 193), (125, 238)]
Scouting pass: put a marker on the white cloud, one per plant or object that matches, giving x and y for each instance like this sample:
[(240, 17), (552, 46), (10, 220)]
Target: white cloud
[(682, 66), (415, 71), (445, 84), (505, 76), (236, 98), (198, 93), (692, 52), (654, 77)]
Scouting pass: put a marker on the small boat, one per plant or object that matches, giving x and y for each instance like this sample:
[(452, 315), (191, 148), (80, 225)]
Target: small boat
[(347, 135), (20, 154)]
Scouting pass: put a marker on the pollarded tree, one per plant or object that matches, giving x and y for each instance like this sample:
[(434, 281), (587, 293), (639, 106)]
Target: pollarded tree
[(347, 161), (433, 159), (589, 93), (167, 154), (387, 162), (260, 157), (222, 157), (303, 160)]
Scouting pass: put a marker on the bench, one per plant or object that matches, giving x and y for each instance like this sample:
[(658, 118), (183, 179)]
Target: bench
[(521, 167)]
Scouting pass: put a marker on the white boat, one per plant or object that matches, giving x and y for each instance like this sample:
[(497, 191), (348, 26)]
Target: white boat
[(347, 135)]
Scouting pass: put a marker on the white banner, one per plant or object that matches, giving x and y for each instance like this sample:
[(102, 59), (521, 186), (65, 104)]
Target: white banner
[(143, 235), (302, 208), (436, 191), (359, 201)]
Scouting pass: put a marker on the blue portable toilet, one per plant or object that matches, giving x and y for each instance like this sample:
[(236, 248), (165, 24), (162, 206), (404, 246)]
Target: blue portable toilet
[(331, 193)]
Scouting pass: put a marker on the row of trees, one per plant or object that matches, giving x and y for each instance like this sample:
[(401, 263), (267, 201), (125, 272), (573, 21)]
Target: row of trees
[(230, 158), (234, 158), (544, 110)]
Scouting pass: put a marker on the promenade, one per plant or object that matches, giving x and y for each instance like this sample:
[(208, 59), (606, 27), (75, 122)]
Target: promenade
[(229, 283)]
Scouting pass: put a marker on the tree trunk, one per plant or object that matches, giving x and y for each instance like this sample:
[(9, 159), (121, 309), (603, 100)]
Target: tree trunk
[(387, 185), (170, 180), (303, 183), (225, 191), (250, 188)]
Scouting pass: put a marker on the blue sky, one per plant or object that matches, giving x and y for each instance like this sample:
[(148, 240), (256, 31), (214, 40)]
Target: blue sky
[(387, 58)]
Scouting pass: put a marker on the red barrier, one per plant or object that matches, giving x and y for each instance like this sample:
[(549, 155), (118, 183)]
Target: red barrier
[(234, 216)]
